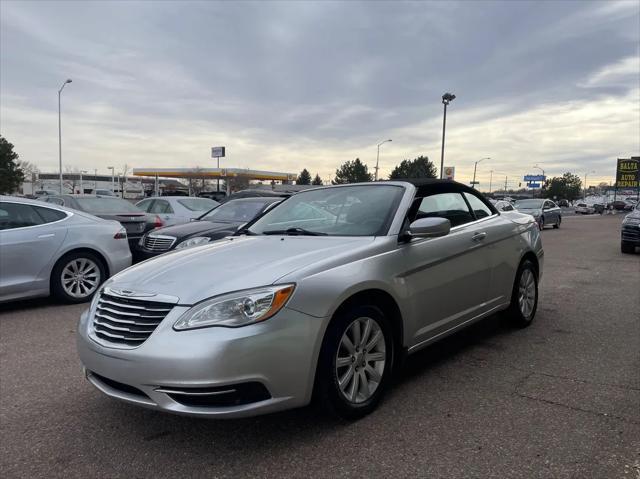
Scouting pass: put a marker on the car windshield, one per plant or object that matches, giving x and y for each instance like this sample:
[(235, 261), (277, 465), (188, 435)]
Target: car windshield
[(529, 204), (340, 211), (235, 211), (198, 204), (107, 205)]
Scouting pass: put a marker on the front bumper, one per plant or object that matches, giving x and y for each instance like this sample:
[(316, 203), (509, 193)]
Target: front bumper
[(631, 234), (279, 355)]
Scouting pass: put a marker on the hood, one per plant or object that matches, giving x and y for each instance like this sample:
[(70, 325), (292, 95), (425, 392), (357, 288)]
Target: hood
[(231, 264), (634, 214), (193, 228)]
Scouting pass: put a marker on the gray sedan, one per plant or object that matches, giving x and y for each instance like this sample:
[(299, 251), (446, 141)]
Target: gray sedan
[(321, 296), (47, 249), (545, 212), (175, 210)]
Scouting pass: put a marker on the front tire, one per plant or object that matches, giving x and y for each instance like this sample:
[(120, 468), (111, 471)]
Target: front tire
[(557, 225), (541, 223), (524, 297), (355, 362), (627, 248), (77, 276)]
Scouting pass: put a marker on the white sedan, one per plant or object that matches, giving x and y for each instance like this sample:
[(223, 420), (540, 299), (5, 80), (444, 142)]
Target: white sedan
[(174, 210)]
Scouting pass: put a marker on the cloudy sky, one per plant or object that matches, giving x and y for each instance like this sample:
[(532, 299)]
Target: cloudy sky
[(287, 85)]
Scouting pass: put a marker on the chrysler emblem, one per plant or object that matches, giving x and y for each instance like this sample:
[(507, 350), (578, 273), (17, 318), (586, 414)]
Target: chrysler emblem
[(129, 293)]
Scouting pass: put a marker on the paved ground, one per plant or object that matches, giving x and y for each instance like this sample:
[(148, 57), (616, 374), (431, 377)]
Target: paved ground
[(559, 399)]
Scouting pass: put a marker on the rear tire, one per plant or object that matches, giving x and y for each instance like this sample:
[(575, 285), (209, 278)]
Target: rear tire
[(524, 296), (77, 276), (627, 248), (352, 379), (557, 225)]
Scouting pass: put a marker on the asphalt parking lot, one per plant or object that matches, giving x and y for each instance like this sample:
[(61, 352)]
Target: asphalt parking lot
[(559, 399)]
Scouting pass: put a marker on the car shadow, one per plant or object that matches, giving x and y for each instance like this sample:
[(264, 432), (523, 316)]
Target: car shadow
[(23, 305)]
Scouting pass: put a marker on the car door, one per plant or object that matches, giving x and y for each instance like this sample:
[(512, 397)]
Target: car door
[(550, 213), (29, 238), (447, 278)]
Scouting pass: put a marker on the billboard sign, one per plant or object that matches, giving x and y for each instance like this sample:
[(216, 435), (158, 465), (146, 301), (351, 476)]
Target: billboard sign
[(530, 178), (628, 173), (217, 152), (449, 172)]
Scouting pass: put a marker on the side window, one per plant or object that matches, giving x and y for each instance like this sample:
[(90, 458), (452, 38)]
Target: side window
[(507, 207), (445, 205), (15, 215), (56, 201), (49, 215), (161, 206), (479, 208), (144, 205)]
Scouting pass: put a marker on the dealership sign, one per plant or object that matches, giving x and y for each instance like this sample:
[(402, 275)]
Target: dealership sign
[(449, 172), (217, 152), (628, 173), (533, 178)]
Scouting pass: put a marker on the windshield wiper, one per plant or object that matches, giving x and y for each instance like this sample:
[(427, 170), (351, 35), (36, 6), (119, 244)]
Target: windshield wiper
[(294, 232)]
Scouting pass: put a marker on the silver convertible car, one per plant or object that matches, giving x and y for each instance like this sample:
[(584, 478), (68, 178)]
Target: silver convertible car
[(321, 297)]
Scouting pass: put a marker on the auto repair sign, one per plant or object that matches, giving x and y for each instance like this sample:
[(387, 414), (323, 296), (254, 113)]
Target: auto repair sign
[(628, 173)]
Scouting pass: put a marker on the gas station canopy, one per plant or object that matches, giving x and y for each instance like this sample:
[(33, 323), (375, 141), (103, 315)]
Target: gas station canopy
[(222, 173)]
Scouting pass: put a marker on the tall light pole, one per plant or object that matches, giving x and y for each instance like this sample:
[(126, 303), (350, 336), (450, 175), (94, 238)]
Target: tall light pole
[(446, 99), (68, 80), (475, 166), (378, 157), (585, 184), (95, 179), (113, 178), (490, 180)]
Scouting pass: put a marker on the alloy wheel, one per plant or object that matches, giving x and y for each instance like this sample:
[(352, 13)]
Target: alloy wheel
[(360, 360), (527, 293), (80, 278)]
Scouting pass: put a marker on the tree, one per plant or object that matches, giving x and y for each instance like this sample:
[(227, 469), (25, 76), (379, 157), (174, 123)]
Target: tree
[(28, 169), (11, 175), (304, 178), (567, 186), (317, 180), (352, 172), (420, 167)]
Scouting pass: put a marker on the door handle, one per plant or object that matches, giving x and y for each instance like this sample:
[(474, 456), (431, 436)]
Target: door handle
[(479, 236), (49, 235)]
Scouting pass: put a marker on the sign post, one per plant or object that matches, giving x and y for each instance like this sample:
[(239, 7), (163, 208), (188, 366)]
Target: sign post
[(218, 152), (534, 182)]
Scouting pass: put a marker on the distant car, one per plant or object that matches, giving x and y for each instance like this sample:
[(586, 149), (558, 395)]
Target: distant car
[(502, 205), (619, 205), (584, 209), (630, 203), (47, 249), (598, 208), (174, 210), (631, 231), (563, 203), (39, 193), (104, 193), (213, 195), (136, 221), (254, 193), (215, 224), (546, 212), (174, 193)]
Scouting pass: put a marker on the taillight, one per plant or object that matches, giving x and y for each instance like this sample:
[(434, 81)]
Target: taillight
[(122, 234), (158, 222)]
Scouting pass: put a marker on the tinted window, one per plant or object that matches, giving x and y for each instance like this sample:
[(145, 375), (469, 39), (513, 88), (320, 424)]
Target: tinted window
[(477, 205), (49, 215), (55, 201), (507, 207), (198, 204), (445, 205), (529, 204), (107, 205), (161, 207), (235, 212), (14, 215)]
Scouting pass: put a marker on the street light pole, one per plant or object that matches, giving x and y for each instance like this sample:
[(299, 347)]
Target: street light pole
[(475, 166), (584, 198), (490, 180), (446, 99), (68, 80), (95, 179), (81, 187), (543, 174), (378, 157)]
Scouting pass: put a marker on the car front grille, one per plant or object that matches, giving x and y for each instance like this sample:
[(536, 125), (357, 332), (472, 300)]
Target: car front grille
[(158, 244), (127, 321), (631, 233)]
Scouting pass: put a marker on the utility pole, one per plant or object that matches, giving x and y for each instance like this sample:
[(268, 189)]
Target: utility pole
[(490, 180), (505, 185), (378, 158), (60, 131), (113, 179), (95, 179)]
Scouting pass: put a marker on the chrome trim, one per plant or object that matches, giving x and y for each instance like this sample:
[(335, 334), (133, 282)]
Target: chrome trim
[(146, 295), (185, 393)]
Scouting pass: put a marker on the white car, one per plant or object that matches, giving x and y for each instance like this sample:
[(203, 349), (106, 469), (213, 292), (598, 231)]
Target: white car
[(585, 209), (48, 249), (174, 210)]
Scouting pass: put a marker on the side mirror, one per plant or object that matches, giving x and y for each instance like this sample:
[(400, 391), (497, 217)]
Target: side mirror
[(430, 227)]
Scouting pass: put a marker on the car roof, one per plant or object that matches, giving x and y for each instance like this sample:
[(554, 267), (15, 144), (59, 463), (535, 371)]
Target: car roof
[(264, 199)]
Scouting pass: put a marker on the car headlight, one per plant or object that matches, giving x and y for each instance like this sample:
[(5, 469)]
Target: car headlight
[(193, 242), (236, 309), (630, 220)]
